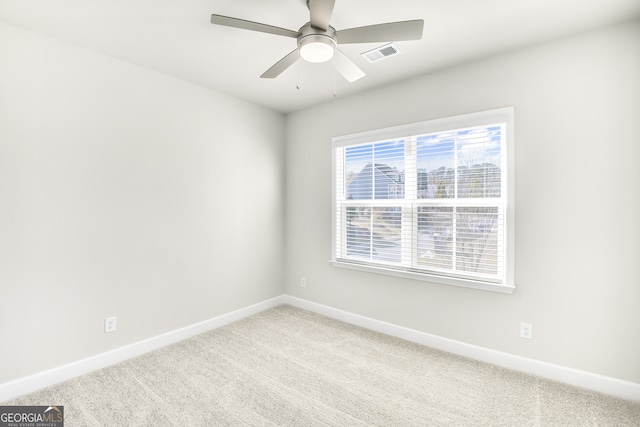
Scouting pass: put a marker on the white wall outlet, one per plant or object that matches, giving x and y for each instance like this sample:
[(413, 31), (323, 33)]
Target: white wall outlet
[(109, 324), (526, 330), (303, 282)]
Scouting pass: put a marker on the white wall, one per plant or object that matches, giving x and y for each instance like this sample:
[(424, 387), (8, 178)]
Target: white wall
[(577, 107), (123, 192)]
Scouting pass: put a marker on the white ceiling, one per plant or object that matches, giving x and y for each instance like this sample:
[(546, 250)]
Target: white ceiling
[(176, 37)]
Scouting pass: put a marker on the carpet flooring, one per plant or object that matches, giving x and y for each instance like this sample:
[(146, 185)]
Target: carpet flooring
[(290, 367)]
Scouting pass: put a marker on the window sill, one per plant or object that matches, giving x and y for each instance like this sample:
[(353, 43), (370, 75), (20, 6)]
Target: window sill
[(425, 277)]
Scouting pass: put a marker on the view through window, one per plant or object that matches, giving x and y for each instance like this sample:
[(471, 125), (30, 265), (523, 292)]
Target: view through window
[(432, 203)]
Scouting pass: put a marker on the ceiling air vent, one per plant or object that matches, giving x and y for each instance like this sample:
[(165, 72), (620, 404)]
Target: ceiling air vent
[(381, 52)]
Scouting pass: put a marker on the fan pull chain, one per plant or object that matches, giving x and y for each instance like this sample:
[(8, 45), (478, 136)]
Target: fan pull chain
[(334, 83), (335, 71), (299, 65)]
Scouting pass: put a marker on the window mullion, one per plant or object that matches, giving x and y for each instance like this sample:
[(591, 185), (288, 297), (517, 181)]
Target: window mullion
[(454, 245), (371, 228), (409, 218)]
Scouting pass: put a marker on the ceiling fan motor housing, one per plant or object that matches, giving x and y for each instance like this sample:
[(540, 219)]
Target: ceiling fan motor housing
[(317, 45)]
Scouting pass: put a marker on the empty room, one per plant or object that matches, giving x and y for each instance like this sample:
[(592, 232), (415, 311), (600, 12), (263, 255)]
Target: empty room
[(319, 213)]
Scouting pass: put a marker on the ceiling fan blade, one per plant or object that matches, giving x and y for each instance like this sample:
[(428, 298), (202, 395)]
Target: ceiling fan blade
[(321, 11), (389, 32), (253, 26), (281, 65), (347, 68)]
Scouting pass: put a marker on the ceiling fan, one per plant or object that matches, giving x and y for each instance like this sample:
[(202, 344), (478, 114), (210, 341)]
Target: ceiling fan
[(318, 41)]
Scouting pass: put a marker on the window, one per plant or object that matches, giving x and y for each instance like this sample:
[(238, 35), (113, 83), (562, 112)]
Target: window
[(430, 201)]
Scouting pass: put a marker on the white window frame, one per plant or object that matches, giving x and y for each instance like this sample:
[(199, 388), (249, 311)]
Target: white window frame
[(490, 117)]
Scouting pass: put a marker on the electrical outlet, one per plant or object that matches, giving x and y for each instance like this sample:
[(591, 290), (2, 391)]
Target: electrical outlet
[(303, 282), (109, 324), (526, 330)]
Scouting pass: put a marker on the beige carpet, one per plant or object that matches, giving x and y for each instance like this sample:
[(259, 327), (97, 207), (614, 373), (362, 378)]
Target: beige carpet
[(289, 367)]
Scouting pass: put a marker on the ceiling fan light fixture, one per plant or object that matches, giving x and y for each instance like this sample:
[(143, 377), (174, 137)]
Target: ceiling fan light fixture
[(317, 48)]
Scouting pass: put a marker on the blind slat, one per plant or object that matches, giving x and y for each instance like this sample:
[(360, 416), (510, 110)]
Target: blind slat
[(431, 202)]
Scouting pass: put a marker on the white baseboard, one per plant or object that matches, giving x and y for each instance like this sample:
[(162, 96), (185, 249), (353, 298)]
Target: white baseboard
[(53, 376), (600, 383)]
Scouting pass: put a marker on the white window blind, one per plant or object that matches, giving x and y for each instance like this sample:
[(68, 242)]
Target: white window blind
[(428, 200)]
